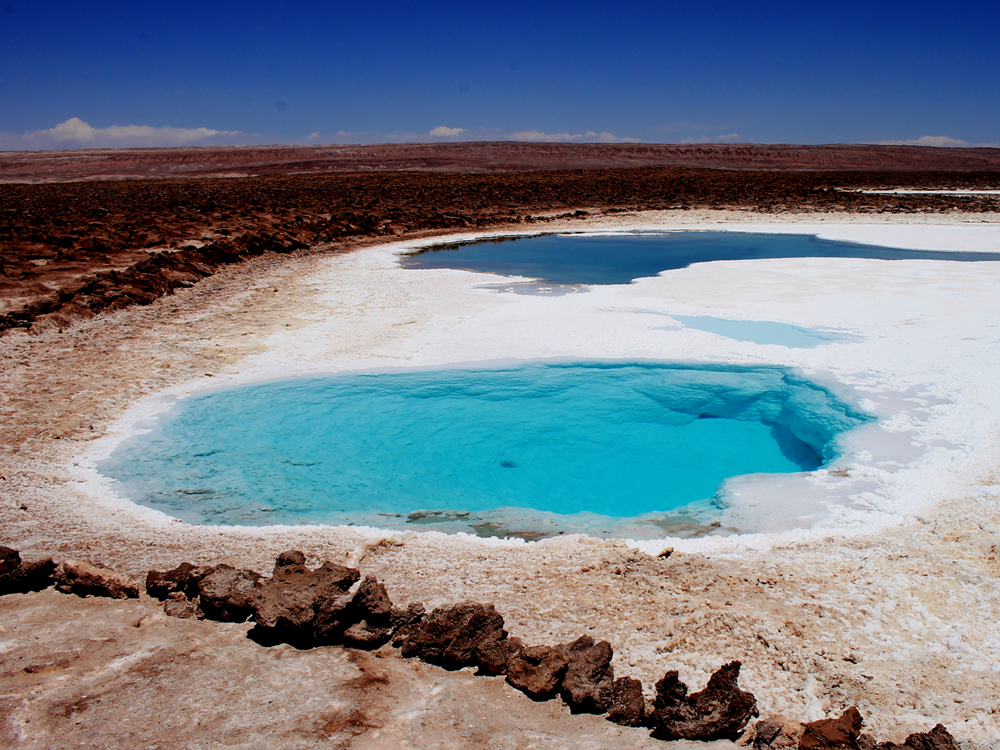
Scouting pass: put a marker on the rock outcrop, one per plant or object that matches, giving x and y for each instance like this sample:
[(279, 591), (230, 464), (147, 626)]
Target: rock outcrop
[(86, 579), (371, 610), (20, 577), (304, 606), (228, 594), (838, 733), (827, 734), (718, 712), (464, 635), (212, 592), (937, 738), (587, 684), (183, 580), (10, 559), (299, 605), (538, 671), (178, 605), (401, 618), (628, 706)]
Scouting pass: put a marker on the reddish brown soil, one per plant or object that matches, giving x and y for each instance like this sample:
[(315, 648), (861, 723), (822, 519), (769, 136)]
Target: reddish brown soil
[(69, 250), (164, 163)]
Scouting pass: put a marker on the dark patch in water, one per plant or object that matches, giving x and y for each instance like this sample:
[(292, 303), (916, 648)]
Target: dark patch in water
[(487, 530)]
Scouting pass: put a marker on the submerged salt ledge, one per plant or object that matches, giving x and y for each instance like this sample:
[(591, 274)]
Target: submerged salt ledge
[(923, 357)]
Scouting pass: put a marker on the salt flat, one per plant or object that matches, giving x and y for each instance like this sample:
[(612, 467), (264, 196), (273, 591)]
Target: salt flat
[(872, 583), (899, 358)]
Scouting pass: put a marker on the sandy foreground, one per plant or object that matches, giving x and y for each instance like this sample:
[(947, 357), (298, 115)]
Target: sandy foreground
[(872, 584)]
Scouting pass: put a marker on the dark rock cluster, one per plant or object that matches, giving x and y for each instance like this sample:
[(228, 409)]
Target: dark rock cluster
[(334, 605), (839, 733)]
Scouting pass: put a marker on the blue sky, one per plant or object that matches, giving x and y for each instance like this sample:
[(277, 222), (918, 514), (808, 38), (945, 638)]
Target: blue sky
[(112, 73)]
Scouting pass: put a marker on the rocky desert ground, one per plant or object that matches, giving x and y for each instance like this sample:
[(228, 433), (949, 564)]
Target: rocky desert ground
[(115, 290), (480, 157)]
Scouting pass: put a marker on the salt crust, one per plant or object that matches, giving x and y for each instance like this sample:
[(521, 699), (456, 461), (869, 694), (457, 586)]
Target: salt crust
[(923, 448), (889, 601)]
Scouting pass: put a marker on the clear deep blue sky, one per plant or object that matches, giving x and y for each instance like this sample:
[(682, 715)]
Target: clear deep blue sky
[(381, 70)]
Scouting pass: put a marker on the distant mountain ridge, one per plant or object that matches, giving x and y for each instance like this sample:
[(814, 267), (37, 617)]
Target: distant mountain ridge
[(478, 157)]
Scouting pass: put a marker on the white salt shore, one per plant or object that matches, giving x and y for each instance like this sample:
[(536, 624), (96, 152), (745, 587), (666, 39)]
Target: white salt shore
[(873, 582), (936, 394)]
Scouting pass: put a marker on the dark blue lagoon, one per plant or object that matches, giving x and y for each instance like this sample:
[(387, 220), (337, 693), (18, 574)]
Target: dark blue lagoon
[(618, 259), (541, 447)]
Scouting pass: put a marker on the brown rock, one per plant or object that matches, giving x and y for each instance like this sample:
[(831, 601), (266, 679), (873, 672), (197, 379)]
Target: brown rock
[(10, 560), (628, 707), (183, 579), (19, 577), (291, 557), (587, 684), (402, 619), (833, 733), (85, 579), (938, 738), (287, 600), (372, 609), (30, 576), (336, 612), (720, 711), (495, 656), (778, 733), (303, 606), (455, 637), (227, 594), (537, 671), (372, 600), (178, 605)]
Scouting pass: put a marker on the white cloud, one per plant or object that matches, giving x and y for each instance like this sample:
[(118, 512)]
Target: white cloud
[(939, 141), (928, 140), (75, 133), (728, 138), (443, 132), (588, 137)]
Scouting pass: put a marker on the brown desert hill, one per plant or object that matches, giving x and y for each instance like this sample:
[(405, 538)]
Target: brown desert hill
[(478, 157)]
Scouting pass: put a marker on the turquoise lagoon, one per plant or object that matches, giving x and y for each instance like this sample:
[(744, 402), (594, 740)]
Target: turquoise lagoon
[(535, 448)]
